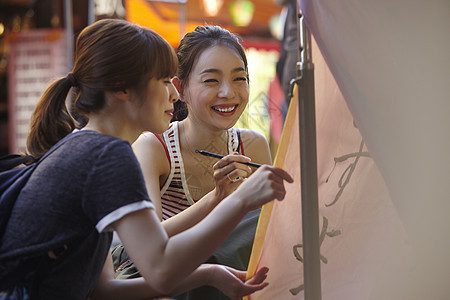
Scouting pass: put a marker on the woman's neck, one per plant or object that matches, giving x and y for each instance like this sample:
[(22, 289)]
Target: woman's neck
[(114, 126), (201, 137)]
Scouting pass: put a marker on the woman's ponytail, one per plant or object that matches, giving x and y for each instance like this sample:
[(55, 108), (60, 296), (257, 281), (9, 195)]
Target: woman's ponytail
[(51, 120)]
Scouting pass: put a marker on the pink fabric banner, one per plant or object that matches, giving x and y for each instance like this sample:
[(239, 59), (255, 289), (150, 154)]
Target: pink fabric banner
[(358, 223)]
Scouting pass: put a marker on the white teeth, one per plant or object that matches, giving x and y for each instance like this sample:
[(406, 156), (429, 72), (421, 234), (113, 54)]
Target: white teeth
[(224, 110)]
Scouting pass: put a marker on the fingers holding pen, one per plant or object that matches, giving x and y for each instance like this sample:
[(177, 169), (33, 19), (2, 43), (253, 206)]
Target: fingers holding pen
[(232, 168), (229, 173), (266, 183), (232, 158)]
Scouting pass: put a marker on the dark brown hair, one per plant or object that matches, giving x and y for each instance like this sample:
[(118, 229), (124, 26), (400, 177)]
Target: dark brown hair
[(111, 55), (190, 48)]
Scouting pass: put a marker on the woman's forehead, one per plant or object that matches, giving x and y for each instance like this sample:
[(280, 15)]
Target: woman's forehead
[(219, 57)]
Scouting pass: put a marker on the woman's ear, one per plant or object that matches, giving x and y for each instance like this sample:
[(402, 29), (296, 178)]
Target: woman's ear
[(122, 95), (177, 83)]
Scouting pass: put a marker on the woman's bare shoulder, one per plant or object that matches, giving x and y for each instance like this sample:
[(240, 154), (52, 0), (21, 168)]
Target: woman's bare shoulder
[(150, 151), (149, 141), (256, 146)]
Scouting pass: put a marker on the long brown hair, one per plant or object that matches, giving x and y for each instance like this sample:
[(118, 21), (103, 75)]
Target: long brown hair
[(111, 55)]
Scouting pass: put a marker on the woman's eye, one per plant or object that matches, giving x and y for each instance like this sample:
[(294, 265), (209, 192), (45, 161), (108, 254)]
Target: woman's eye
[(210, 80), (241, 79)]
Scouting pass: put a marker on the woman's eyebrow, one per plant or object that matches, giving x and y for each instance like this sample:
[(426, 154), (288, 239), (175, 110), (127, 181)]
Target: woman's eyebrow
[(235, 70), (210, 71), (240, 69)]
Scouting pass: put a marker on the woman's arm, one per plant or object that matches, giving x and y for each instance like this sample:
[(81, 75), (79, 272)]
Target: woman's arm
[(228, 280), (164, 261), (110, 288), (154, 164)]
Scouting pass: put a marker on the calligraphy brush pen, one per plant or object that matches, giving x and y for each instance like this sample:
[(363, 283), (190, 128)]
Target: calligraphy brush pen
[(206, 153)]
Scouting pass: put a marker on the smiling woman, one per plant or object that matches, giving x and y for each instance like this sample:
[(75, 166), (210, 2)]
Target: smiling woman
[(216, 93)]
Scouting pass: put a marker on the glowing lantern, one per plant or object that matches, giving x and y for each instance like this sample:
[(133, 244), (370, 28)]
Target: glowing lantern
[(212, 7), (241, 12)]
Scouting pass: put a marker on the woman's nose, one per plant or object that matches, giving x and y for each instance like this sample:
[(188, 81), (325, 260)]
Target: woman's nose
[(226, 90)]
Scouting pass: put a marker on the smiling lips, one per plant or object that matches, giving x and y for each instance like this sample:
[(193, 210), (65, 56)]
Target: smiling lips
[(169, 112), (224, 109)]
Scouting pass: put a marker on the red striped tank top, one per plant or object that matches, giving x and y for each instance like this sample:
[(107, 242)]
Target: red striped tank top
[(175, 196)]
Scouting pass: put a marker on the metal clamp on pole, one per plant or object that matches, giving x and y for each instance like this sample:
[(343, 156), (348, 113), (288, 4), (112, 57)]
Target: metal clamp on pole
[(308, 163)]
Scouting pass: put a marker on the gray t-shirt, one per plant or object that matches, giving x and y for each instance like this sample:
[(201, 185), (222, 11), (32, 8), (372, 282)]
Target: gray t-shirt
[(73, 195)]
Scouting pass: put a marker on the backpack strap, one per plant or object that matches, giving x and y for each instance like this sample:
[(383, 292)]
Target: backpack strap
[(10, 161)]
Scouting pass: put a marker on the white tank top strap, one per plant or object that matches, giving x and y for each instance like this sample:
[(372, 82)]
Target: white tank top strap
[(168, 137), (233, 140), (177, 173)]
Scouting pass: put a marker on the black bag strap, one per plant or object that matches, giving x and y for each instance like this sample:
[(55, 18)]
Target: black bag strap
[(10, 161)]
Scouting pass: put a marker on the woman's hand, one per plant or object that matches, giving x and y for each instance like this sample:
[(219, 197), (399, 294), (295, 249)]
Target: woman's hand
[(229, 173), (265, 185), (231, 281)]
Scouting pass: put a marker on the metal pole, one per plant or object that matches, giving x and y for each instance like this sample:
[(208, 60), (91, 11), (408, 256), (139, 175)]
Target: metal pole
[(68, 24), (308, 163), (91, 12)]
